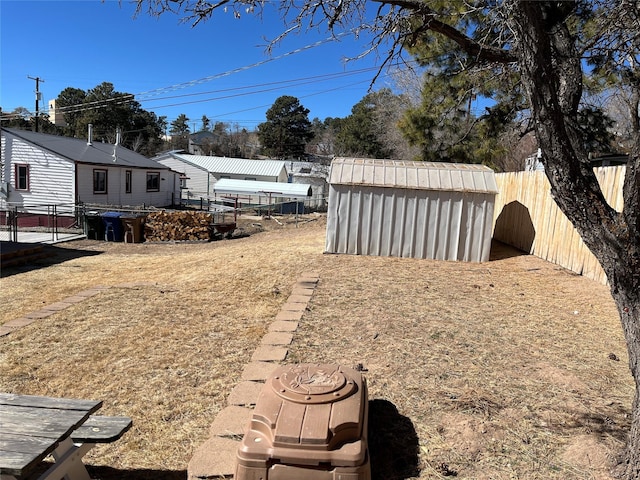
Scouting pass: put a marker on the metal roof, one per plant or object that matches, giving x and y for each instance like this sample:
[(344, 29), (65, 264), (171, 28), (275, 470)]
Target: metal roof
[(273, 189), (77, 150), (234, 166), (460, 177)]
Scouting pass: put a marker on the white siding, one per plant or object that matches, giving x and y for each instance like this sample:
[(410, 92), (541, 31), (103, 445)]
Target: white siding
[(319, 186), (198, 181), (51, 178), (116, 194)]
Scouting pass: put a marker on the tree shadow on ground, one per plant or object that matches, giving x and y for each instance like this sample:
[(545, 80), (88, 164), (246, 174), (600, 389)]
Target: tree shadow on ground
[(33, 256), (610, 422), (393, 443)]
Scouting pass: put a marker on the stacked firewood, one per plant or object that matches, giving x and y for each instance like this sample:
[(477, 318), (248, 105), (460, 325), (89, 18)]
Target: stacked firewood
[(177, 226)]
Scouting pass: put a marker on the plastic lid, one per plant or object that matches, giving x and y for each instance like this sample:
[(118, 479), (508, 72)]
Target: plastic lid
[(312, 384)]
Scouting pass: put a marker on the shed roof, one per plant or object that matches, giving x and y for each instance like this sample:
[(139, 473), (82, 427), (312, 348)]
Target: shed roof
[(234, 166), (77, 150), (251, 187), (460, 177)]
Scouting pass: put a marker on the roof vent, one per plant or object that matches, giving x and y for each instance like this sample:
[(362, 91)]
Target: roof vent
[(89, 140)]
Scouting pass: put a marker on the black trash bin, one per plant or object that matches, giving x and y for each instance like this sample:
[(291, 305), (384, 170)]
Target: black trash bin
[(112, 226), (93, 225), (133, 227)]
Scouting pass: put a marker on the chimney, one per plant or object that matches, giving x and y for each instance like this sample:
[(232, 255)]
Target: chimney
[(115, 145), (89, 140)]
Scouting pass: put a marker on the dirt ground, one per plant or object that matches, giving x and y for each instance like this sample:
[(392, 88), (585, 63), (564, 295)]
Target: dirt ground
[(510, 369)]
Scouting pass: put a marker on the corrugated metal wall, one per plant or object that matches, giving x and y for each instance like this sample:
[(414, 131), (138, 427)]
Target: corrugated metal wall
[(441, 211), (441, 225)]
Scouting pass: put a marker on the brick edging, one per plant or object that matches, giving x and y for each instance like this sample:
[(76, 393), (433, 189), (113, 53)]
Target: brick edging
[(216, 457), (27, 319)]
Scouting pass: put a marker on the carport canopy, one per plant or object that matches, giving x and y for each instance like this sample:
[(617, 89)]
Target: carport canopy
[(271, 189)]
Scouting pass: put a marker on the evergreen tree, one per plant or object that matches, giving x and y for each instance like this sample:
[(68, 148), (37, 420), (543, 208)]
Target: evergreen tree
[(206, 123), (180, 132), (357, 135), (287, 129), (109, 110)]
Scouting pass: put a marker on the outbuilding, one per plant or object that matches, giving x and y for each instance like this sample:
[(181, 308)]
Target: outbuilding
[(200, 172), (441, 211)]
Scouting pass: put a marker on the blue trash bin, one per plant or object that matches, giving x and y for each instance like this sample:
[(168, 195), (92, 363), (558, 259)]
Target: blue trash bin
[(112, 226)]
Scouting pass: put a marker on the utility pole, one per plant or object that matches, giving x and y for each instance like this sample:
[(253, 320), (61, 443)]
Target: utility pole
[(38, 80)]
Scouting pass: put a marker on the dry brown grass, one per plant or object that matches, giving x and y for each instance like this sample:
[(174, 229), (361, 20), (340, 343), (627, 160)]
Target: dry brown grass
[(498, 370)]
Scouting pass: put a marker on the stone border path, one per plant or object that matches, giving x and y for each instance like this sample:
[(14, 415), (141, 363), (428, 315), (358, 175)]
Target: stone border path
[(29, 318), (216, 457)]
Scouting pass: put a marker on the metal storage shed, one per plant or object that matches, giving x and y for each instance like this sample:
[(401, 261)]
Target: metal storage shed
[(441, 211)]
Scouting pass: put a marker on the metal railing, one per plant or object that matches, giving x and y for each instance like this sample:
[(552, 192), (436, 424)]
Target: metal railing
[(50, 220)]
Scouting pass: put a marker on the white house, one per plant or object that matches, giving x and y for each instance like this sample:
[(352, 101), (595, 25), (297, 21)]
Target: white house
[(40, 169), (200, 173)]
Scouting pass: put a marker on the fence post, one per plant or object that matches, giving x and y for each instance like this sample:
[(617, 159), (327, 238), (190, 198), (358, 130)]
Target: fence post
[(14, 224), (56, 235)]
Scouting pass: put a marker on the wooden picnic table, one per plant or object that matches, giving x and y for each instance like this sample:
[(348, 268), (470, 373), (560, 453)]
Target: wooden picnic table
[(34, 427)]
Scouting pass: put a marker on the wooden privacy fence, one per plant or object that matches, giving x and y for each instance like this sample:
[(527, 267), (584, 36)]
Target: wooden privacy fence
[(527, 217)]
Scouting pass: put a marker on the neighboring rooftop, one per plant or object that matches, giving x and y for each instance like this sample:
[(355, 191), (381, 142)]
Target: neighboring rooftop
[(274, 189), (233, 166), (80, 150)]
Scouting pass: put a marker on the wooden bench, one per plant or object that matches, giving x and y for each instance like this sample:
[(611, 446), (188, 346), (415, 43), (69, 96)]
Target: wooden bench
[(101, 429), (34, 427), (96, 429)]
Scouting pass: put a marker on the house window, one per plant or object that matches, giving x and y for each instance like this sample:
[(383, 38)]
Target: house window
[(22, 177), (153, 182), (99, 181), (127, 181)]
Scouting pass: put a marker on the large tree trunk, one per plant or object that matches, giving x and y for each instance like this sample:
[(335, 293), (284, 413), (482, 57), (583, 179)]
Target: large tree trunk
[(552, 74)]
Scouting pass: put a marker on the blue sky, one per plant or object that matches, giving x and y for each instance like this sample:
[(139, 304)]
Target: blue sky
[(219, 68)]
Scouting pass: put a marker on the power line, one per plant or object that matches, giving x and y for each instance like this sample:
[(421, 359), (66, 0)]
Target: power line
[(276, 85), (241, 94), (295, 82), (140, 96), (209, 78), (151, 93), (304, 96)]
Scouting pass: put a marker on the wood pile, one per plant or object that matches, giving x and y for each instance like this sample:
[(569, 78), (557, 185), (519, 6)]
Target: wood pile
[(178, 226)]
